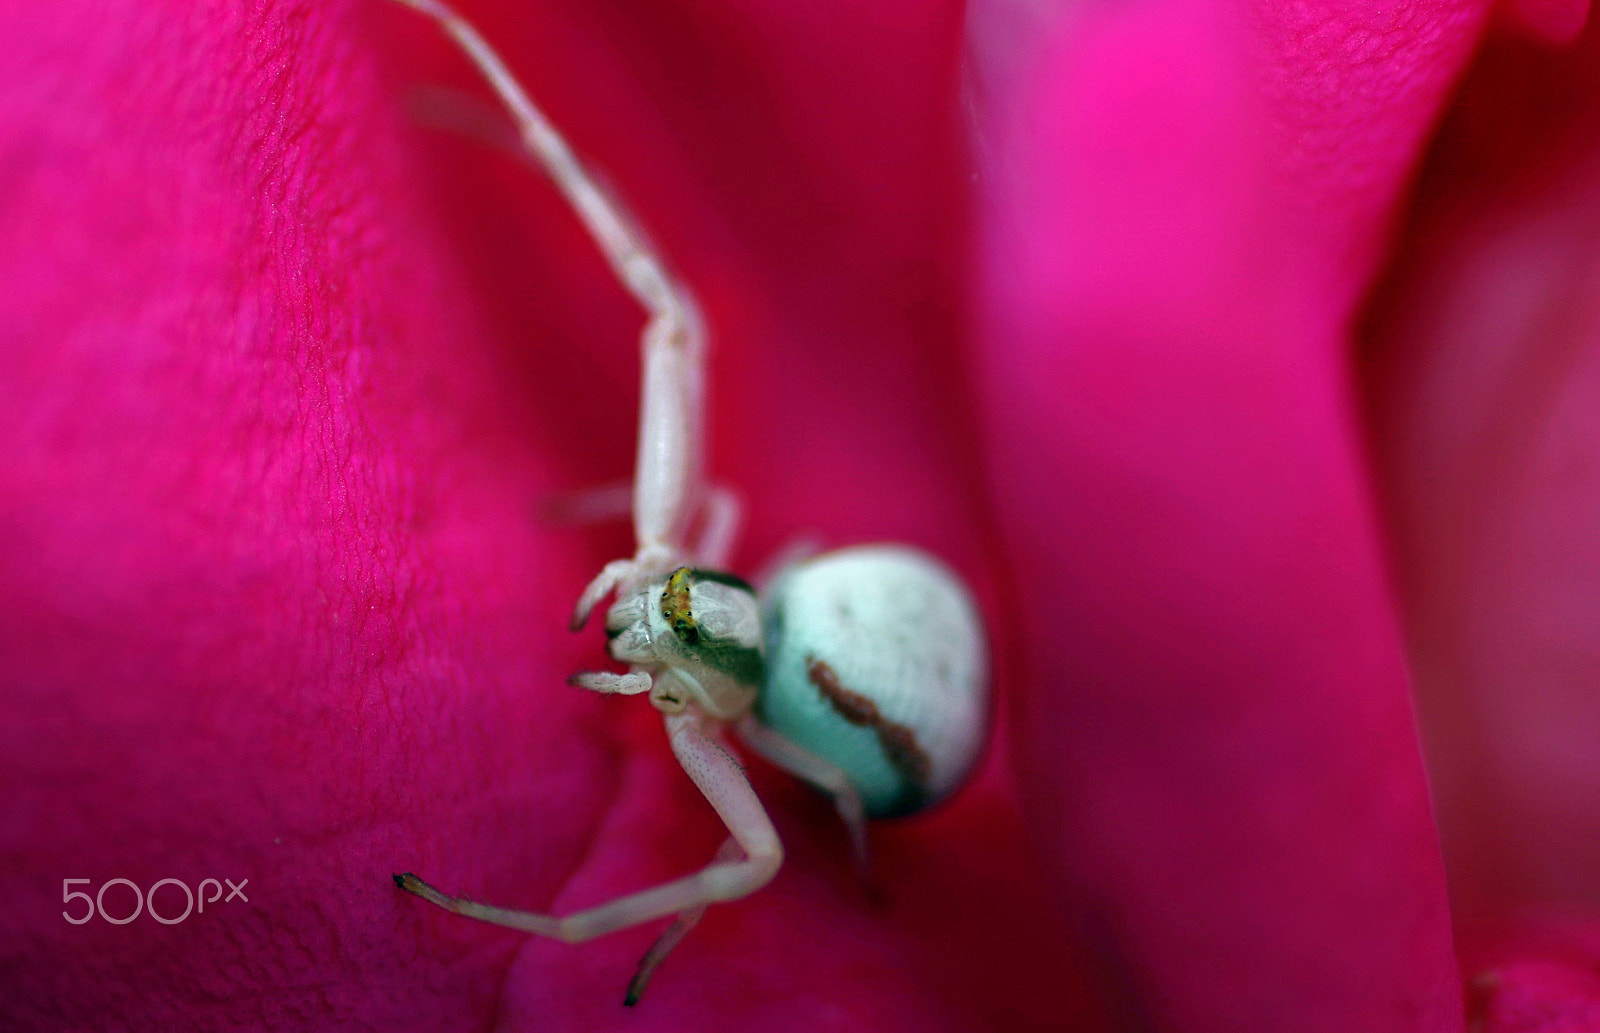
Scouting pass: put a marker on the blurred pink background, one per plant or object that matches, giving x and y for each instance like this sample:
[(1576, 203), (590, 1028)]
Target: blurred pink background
[(1243, 357)]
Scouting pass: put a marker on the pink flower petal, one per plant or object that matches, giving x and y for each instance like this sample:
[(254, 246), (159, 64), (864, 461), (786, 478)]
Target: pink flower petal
[(285, 379), (1486, 386), (1548, 21), (1215, 733), (1536, 975)]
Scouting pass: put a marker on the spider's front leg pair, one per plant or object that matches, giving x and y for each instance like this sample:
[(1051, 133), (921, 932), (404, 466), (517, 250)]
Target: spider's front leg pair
[(668, 471), (667, 492), (700, 751), (877, 659)]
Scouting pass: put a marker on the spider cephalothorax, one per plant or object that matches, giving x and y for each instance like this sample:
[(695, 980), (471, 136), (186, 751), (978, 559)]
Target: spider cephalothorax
[(699, 633)]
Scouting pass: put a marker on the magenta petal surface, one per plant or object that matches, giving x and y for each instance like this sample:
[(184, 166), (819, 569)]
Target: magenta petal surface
[(1485, 380), (1215, 730), (1534, 975), (285, 378)]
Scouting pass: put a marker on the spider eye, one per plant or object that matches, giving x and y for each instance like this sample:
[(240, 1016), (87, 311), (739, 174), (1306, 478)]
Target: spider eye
[(675, 607)]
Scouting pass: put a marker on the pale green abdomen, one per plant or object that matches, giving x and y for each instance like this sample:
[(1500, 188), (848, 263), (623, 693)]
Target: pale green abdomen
[(876, 661)]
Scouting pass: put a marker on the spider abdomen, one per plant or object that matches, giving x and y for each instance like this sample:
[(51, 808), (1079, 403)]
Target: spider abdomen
[(876, 661)]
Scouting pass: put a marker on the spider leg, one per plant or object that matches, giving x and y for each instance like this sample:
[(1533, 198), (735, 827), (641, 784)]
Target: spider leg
[(623, 245), (666, 483), (609, 683), (723, 515), (696, 744), (667, 473), (455, 111), (611, 576), (796, 551), (827, 776), (673, 935), (596, 504)]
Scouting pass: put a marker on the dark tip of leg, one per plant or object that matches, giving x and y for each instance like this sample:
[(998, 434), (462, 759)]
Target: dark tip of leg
[(400, 881), (632, 998)]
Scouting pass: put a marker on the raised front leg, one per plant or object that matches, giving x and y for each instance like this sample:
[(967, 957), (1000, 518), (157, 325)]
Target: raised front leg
[(696, 743), (667, 471)]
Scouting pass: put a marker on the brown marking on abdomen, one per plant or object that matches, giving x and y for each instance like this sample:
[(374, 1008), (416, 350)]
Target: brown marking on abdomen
[(899, 742)]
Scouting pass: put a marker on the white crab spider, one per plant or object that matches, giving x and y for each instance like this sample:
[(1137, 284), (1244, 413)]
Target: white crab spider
[(861, 671)]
